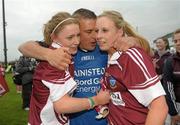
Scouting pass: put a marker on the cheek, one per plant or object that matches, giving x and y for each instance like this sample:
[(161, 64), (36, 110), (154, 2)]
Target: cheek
[(83, 37), (157, 45), (165, 45), (111, 40), (162, 44), (110, 43), (113, 37), (59, 39), (66, 43), (108, 37)]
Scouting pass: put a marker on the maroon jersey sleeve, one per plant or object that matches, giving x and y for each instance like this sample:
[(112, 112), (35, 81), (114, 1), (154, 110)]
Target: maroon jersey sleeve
[(58, 82)]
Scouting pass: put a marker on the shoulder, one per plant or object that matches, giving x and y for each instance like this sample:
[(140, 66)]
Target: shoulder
[(168, 64), (45, 71), (166, 55), (169, 54), (134, 57), (134, 53)]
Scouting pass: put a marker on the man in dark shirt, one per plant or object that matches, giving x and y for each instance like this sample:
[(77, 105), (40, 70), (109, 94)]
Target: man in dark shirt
[(172, 81)]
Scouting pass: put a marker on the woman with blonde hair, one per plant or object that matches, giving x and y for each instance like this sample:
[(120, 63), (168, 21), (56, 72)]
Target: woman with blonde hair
[(137, 97), (52, 88)]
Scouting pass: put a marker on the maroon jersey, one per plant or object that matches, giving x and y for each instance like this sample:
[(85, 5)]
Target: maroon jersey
[(49, 85), (134, 84), (3, 85)]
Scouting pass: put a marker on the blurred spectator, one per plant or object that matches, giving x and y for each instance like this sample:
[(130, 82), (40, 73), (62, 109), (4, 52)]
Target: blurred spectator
[(25, 67), (160, 55), (172, 82), (17, 78), (3, 85), (2, 70)]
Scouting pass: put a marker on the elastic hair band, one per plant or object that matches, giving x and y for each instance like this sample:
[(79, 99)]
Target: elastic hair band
[(61, 23)]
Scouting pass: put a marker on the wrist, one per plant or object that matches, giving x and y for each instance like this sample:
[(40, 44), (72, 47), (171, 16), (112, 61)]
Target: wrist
[(46, 54), (96, 102), (92, 103)]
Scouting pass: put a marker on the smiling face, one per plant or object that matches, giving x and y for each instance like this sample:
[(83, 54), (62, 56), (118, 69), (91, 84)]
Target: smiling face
[(161, 45), (107, 33), (69, 36)]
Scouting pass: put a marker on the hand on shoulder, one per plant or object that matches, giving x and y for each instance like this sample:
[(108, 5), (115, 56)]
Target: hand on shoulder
[(59, 58)]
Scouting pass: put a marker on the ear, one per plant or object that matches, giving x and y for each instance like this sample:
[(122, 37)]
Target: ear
[(53, 36), (120, 32)]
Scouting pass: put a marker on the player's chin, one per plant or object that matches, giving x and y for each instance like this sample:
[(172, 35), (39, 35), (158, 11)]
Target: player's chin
[(103, 48), (91, 48), (73, 51)]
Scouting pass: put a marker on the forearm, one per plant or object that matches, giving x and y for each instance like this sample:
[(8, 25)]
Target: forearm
[(33, 49), (69, 104), (157, 112)]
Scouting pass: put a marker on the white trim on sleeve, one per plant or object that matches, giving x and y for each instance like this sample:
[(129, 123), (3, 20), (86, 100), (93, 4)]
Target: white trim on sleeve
[(59, 90), (145, 96)]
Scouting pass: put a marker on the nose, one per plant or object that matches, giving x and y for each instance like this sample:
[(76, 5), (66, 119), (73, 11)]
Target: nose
[(98, 36), (93, 35), (77, 40)]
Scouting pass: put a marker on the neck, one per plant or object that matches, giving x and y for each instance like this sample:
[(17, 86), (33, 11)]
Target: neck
[(111, 51), (161, 52)]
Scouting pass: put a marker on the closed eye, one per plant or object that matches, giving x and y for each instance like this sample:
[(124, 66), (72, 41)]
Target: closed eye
[(96, 30), (104, 30), (89, 31), (70, 37)]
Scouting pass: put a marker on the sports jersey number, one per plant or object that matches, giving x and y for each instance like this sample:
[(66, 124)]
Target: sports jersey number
[(117, 99)]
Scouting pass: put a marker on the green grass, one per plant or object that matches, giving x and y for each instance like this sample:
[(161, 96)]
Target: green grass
[(11, 112)]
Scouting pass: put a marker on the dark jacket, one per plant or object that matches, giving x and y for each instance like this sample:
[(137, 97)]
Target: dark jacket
[(25, 67), (171, 80), (160, 62)]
